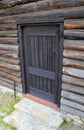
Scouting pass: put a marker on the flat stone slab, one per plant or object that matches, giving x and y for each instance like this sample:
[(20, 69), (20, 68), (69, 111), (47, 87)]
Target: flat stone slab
[(42, 112), (30, 113)]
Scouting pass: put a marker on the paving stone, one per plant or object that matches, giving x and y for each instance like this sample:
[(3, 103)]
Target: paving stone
[(39, 113), (25, 127), (56, 122)]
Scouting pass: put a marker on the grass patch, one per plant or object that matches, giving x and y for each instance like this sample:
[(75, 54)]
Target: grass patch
[(67, 125), (7, 102)]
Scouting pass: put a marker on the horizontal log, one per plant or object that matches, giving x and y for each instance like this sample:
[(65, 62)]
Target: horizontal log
[(9, 3), (7, 80), (73, 12), (72, 80), (5, 84), (8, 33), (11, 86), (73, 63), (74, 44), (11, 82), (10, 77), (73, 54), (9, 26), (74, 21), (74, 34), (72, 88), (72, 104), (41, 5), (73, 26), (9, 47), (8, 40), (73, 72), (9, 60), (74, 97), (72, 110), (10, 66), (9, 71), (10, 54)]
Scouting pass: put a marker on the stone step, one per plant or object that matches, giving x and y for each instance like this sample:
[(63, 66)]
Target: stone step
[(23, 121), (34, 114), (30, 115), (42, 112)]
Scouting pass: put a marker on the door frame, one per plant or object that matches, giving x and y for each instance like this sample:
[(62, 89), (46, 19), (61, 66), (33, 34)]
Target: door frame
[(37, 22)]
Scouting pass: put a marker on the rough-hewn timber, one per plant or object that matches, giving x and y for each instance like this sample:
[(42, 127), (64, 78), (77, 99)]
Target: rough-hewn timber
[(12, 11)]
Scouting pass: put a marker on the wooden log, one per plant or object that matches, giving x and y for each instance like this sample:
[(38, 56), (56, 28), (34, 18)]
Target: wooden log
[(72, 110), (8, 40), (5, 84), (72, 104), (9, 26), (73, 63), (74, 34), (73, 26), (74, 44), (72, 88), (74, 21), (73, 54), (9, 60), (41, 5), (74, 97), (10, 54), (9, 66), (9, 71), (10, 77), (75, 12), (73, 72), (18, 85), (9, 47), (11, 86), (7, 80), (73, 81), (8, 33)]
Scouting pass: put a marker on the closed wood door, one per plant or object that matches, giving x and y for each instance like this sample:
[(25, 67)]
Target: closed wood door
[(42, 60)]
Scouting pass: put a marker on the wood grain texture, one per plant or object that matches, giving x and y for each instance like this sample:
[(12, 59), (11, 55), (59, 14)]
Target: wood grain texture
[(72, 104), (73, 63), (72, 88), (73, 72), (72, 80), (9, 60), (74, 44), (10, 77), (71, 96), (72, 110), (10, 66), (74, 54), (8, 33), (8, 40), (73, 13), (74, 34)]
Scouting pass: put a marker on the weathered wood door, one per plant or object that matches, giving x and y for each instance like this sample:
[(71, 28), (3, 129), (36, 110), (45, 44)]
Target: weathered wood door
[(42, 60)]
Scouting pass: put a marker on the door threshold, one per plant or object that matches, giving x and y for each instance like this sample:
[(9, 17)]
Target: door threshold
[(42, 101)]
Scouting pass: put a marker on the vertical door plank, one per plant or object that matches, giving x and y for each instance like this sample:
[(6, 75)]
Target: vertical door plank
[(49, 62), (57, 42), (33, 58), (45, 61), (28, 42), (36, 60), (40, 60), (54, 48)]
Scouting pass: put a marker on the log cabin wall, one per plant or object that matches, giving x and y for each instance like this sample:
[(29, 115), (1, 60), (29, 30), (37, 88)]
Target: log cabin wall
[(72, 11)]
